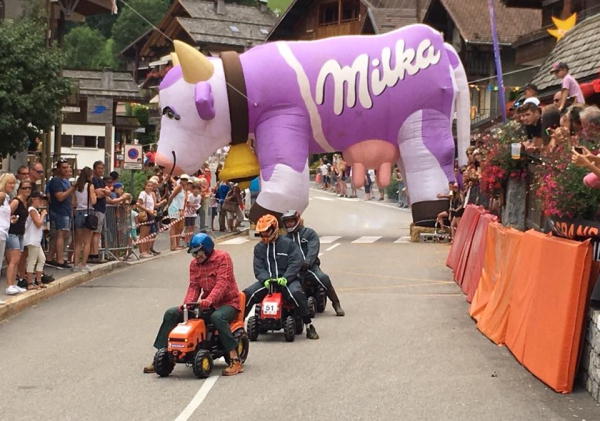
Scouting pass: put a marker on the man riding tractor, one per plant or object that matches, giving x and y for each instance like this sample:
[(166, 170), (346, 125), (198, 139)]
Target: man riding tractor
[(278, 258), (211, 272), (308, 241)]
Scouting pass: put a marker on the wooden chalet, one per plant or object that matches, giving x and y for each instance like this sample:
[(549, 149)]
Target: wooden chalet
[(466, 25), (211, 26), (533, 47), (317, 19)]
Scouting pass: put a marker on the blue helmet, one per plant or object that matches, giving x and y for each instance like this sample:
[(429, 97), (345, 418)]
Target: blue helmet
[(201, 241)]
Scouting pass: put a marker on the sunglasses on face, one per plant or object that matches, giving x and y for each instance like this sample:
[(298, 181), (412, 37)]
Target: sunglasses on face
[(24, 188), (23, 173)]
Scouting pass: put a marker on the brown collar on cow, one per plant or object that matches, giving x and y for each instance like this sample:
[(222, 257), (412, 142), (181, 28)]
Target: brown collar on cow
[(236, 96)]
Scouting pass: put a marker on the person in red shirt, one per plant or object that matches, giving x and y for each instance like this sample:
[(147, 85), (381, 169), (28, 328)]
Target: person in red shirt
[(211, 274)]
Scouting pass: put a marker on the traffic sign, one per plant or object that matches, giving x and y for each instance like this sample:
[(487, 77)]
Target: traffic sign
[(134, 157)]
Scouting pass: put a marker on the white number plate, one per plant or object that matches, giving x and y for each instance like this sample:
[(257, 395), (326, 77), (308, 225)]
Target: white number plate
[(270, 308)]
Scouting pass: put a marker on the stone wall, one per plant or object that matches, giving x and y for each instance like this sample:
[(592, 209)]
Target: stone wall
[(589, 369)]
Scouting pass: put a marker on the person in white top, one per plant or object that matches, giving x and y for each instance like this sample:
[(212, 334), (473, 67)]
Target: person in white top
[(34, 231), (145, 205), (8, 183), (175, 206), (85, 195), (191, 208)]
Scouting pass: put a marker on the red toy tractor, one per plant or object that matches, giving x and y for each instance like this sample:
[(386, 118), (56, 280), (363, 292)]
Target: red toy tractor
[(195, 342), (275, 313)]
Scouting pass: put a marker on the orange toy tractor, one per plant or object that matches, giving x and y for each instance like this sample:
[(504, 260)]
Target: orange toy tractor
[(195, 342)]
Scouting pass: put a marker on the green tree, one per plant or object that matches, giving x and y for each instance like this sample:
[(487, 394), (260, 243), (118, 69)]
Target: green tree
[(129, 26), (87, 49), (31, 90)]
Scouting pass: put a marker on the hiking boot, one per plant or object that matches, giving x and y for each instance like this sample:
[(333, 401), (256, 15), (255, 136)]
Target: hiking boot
[(149, 369), (235, 367), (335, 301), (311, 332), (338, 309)]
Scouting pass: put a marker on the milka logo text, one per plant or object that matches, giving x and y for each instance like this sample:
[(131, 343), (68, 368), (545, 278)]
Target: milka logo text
[(407, 62)]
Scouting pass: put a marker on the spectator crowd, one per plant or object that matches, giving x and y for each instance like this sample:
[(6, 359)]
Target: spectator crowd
[(82, 217)]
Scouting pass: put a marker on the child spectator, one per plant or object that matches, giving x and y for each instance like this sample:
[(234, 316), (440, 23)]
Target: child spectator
[(214, 207), (34, 231), (193, 204)]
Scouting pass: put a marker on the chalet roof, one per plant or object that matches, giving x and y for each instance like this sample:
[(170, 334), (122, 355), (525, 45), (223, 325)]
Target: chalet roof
[(472, 18), (138, 43), (392, 14), (197, 21), (117, 85), (580, 49)]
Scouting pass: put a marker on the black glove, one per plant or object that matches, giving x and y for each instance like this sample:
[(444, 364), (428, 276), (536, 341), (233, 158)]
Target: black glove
[(305, 266)]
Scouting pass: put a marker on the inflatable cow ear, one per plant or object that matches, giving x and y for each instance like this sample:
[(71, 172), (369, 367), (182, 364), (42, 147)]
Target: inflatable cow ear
[(205, 101), (174, 59), (194, 65)]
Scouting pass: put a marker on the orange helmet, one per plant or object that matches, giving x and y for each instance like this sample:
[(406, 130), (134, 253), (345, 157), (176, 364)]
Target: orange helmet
[(267, 226)]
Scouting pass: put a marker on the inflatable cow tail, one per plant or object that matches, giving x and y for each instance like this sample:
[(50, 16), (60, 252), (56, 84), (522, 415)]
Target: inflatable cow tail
[(462, 106)]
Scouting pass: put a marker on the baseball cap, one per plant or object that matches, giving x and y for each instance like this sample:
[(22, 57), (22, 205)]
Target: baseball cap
[(532, 100), (560, 65), (114, 175), (118, 185), (184, 177)]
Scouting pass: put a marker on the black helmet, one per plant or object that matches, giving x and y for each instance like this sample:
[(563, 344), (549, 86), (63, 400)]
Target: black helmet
[(291, 220)]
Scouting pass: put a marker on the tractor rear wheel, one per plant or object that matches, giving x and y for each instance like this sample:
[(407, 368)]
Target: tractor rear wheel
[(312, 307)]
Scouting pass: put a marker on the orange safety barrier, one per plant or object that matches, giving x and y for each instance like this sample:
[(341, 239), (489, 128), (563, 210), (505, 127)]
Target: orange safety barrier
[(493, 319), (464, 234), (472, 272), (490, 272), (463, 259), (548, 306)]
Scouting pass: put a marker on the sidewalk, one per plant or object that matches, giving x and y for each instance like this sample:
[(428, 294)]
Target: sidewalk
[(375, 195), (66, 279)]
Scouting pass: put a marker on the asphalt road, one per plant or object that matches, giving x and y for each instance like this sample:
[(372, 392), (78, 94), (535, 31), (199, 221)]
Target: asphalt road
[(406, 350)]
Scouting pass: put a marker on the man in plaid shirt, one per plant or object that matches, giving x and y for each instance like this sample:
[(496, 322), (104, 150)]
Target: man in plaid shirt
[(211, 274)]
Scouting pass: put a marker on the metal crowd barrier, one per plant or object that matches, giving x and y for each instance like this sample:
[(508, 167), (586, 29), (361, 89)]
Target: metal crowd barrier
[(116, 241)]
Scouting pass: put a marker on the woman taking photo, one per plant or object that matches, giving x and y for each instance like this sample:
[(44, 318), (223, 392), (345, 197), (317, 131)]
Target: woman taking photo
[(14, 244), (7, 187), (85, 195)]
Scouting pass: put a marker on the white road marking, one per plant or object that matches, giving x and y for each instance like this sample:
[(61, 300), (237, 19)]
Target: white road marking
[(198, 399), (236, 240), (320, 254), (328, 239), (332, 247), (329, 199), (348, 199), (403, 240), (367, 239)]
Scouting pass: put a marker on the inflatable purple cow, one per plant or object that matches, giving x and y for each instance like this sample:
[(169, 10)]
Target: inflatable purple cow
[(380, 100)]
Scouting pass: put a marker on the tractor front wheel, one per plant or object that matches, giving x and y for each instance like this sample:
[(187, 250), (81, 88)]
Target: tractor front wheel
[(203, 364), (164, 363)]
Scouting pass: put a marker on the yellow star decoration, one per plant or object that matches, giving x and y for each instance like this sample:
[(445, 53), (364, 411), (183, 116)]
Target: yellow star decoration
[(563, 26)]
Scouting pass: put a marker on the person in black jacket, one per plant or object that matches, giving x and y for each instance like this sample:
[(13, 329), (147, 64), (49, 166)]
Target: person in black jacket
[(308, 241), (278, 259)]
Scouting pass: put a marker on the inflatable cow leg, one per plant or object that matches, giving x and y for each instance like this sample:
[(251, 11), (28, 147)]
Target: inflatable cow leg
[(284, 176), (427, 163)]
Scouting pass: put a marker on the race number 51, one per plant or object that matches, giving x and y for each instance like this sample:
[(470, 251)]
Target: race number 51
[(270, 308)]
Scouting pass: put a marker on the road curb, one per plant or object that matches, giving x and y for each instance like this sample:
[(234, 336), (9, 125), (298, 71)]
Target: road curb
[(31, 298)]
